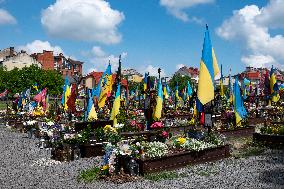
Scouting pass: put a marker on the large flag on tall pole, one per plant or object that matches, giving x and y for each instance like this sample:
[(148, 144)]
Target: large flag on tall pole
[(116, 105), (240, 111), (105, 86), (159, 102), (208, 70)]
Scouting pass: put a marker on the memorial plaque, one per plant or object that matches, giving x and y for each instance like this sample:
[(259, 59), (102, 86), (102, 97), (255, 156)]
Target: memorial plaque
[(208, 120)]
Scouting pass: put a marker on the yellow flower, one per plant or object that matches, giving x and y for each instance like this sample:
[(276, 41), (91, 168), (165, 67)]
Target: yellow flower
[(107, 128), (105, 167), (181, 140)]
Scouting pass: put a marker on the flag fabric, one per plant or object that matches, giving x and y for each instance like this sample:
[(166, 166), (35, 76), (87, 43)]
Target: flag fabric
[(72, 99), (177, 97), (159, 102), (165, 92), (240, 111), (40, 98), (208, 70), (116, 105), (246, 82), (105, 86), (145, 82), (91, 111), (189, 90), (66, 92), (274, 89), (35, 86)]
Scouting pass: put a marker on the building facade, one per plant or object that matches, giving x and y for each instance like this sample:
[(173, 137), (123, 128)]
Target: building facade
[(66, 66), (7, 53), (20, 61)]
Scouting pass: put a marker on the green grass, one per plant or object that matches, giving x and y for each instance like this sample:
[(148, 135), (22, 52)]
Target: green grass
[(89, 175), (3, 105), (165, 175)]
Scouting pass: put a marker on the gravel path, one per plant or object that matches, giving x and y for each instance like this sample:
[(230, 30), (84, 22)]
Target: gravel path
[(23, 165)]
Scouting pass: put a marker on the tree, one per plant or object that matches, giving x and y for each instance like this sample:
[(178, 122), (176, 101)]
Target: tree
[(181, 80), (18, 80)]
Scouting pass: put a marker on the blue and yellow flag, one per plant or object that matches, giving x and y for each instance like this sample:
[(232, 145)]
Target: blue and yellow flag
[(104, 86), (240, 111), (91, 110), (159, 102), (189, 90), (208, 70), (66, 93), (165, 91), (35, 86), (274, 86), (116, 105), (145, 84), (177, 92)]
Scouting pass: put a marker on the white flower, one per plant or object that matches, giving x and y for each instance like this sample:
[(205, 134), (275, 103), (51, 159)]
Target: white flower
[(125, 149), (137, 144), (50, 123), (119, 126)]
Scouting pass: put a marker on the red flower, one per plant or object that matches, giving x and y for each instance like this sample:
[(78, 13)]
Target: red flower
[(165, 134)]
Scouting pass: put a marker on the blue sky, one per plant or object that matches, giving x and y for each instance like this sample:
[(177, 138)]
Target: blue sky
[(149, 33)]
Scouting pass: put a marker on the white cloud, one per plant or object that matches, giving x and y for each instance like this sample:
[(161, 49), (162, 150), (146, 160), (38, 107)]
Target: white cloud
[(100, 59), (97, 51), (259, 61), (259, 45), (85, 20), (177, 8), (6, 18), (178, 66), (153, 70), (38, 46), (273, 14)]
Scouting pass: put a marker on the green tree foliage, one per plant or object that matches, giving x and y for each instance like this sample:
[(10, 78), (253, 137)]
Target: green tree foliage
[(18, 80), (181, 80)]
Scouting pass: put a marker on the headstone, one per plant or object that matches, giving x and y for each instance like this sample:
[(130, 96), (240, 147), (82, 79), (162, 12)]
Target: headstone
[(208, 120)]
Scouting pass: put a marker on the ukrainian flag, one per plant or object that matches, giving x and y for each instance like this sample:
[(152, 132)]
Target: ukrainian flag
[(116, 105), (159, 102), (66, 93), (177, 92), (35, 86), (274, 86), (189, 90), (240, 111), (105, 86), (91, 111), (145, 84), (165, 92), (208, 70)]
